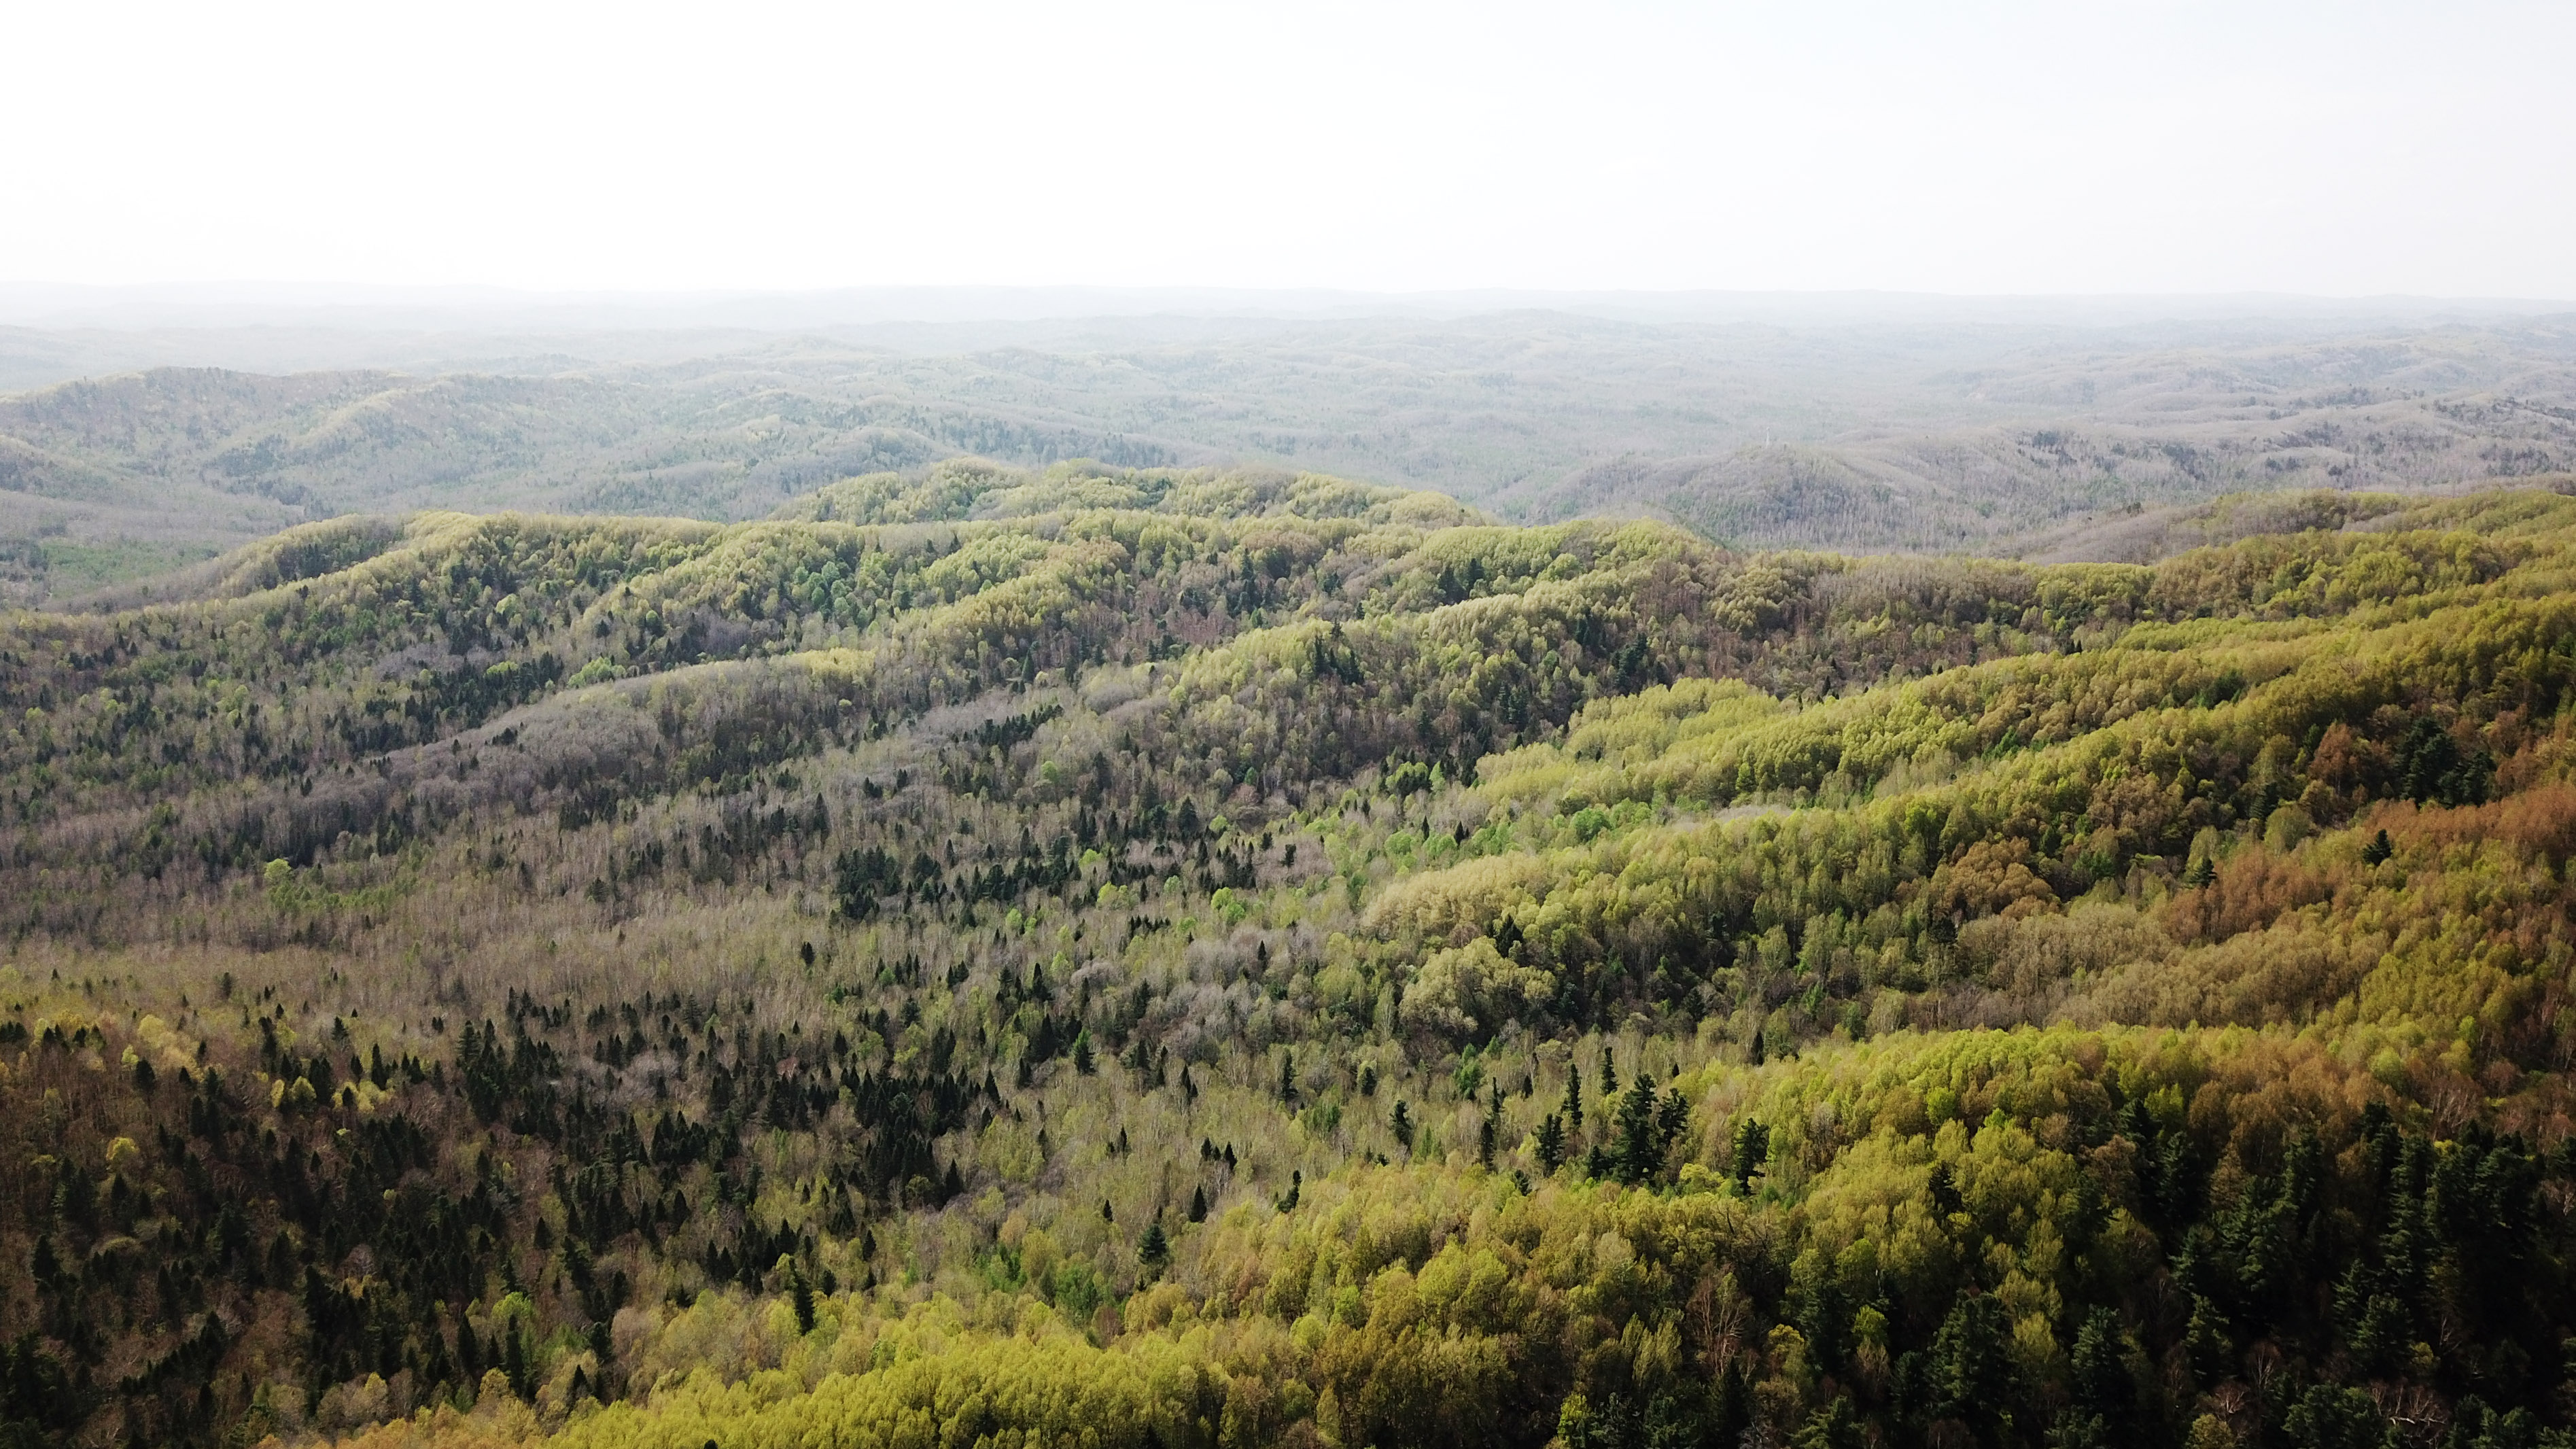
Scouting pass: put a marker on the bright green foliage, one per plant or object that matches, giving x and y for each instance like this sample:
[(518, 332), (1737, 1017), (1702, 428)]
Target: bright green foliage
[(1228, 959)]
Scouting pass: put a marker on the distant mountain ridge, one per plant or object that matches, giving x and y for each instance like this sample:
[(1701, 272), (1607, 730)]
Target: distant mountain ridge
[(1859, 438)]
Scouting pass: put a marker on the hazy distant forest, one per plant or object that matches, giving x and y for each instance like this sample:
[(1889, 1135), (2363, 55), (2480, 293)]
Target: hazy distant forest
[(1854, 435), (826, 897)]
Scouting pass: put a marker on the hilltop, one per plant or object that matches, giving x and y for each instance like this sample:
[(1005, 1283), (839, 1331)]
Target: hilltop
[(1198, 956), (1851, 434)]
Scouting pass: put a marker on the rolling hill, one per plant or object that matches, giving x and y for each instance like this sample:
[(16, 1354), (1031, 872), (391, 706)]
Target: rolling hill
[(1854, 435), (1213, 956)]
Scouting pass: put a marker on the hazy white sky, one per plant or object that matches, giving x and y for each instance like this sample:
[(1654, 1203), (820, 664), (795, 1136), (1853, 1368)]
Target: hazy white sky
[(2346, 149)]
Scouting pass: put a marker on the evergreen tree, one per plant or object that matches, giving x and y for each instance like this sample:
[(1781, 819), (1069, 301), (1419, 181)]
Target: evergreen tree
[(1746, 1152), (800, 1295), (1640, 1151), (1971, 1371)]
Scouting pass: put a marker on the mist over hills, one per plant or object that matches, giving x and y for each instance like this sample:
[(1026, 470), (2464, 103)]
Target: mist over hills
[(1860, 424), (1632, 984), (501, 310)]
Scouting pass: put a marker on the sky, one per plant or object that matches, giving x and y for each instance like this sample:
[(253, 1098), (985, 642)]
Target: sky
[(2061, 148)]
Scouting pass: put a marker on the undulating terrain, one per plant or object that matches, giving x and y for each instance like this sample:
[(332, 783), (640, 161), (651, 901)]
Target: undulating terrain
[(1231, 957), (1866, 432)]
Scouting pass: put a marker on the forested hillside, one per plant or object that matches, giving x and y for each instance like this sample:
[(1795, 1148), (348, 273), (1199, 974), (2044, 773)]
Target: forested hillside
[(1861, 432), (1193, 958)]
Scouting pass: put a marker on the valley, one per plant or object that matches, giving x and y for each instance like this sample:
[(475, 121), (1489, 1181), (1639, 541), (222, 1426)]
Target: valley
[(1197, 955)]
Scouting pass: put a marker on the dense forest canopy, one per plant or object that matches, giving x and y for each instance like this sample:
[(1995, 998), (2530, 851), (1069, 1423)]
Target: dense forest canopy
[(1861, 433), (1196, 957)]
